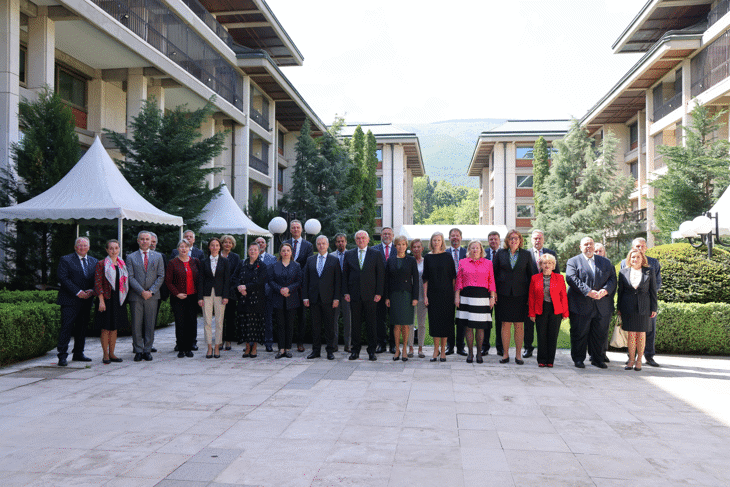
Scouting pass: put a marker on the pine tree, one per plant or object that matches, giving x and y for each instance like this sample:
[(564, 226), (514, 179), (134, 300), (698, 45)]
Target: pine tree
[(586, 193), (352, 196), (696, 174), (540, 172), (298, 199), (369, 193), (48, 150), (167, 162)]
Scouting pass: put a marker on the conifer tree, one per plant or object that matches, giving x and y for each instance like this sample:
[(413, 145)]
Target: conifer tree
[(353, 190), (540, 172), (369, 193)]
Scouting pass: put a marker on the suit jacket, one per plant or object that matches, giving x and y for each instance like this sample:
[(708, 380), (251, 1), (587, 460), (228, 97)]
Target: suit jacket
[(72, 279), (140, 280), (194, 252), (558, 296), (325, 288), (643, 299), (509, 281), (164, 292), (536, 268), (254, 277), (289, 276), (381, 248), (655, 266), (304, 252), (403, 279), (220, 282), (581, 281), (269, 260), (233, 260), (175, 276), (488, 253), (367, 282)]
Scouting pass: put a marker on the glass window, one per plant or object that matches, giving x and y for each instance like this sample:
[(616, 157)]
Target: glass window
[(634, 133), (525, 211), (280, 140), (524, 153), (280, 175), (379, 183), (71, 88), (634, 167), (23, 64), (379, 211), (379, 154), (524, 182)]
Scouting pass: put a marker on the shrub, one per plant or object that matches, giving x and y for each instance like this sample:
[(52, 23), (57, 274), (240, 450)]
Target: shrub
[(688, 276), (48, 297), (27, 330)]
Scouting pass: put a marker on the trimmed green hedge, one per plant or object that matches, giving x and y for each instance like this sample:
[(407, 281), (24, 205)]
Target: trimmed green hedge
[(28, 296), (27, 330)]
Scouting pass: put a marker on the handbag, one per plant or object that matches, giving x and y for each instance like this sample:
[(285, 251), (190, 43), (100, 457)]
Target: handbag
[(619, 339)]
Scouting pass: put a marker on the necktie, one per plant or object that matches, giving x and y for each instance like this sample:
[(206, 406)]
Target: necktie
[(592, 265), (146, 261), (294, 250), (83, 266), (455, 254), (341, 255), (387, 252), (361, 257), (320, 265)]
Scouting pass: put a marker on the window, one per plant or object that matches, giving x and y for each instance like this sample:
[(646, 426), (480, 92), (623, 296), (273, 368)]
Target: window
[(524, 153), (23, 65), (524, 182), (379, 183), (280, 141), (634, 135), (259, 108), (280, 175), (71, 88), (379, 211), (634, 168), (525, 211), (379, 154)]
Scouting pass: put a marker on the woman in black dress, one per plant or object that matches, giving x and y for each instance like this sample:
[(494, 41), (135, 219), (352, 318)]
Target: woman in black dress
[(637, 303), (438, 291), (512, 273), (249, 282), (111, 284), (401, 294), (228, 243), (285, 283)]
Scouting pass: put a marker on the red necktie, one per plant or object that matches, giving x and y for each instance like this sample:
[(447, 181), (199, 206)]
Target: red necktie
[(387, 252), (145, 261), (294, 250)]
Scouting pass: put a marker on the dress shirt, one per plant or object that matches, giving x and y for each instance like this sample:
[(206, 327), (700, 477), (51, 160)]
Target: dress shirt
[(320, 264), (455, 257), (476, 273), (635, 276), (591, 263), (361, 256), (299, 247), (213, 263), (341, 257)]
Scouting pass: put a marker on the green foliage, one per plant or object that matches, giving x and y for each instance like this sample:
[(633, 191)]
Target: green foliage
[(443, 215), (689, 277), (585, 192), (48, 150), (351, 199), (697, 173), (423, 200), (693, 328), (27, 330), (369, 193), (258, 212), (167, 162), (443, 203), (14, 297), (540, 172)]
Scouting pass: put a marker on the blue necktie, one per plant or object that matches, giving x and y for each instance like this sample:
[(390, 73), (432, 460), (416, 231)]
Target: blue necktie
[(320, 265)]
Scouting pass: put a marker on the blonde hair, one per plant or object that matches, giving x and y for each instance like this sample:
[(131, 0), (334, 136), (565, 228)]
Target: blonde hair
[(443, 241), (481, 248), (228, 237), (400, 238), (548, 258), (644, 260)]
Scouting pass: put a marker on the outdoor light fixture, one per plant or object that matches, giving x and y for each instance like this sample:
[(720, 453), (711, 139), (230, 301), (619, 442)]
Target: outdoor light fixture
[(312, 226), (701, 231), (277, 225)]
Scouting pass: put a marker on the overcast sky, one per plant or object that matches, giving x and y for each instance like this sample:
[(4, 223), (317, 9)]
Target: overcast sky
[(421, 61)]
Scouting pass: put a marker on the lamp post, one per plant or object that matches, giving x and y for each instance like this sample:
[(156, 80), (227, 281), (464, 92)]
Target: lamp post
[(312, 226), (277, 226), (701, 231)]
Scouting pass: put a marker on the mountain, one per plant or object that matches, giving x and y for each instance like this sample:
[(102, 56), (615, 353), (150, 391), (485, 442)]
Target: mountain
[(447, 147)]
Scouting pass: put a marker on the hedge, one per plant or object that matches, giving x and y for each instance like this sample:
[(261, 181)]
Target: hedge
[(28, 296), (27, 330)]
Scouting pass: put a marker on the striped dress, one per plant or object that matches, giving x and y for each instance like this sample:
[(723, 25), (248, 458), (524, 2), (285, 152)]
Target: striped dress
[(475, 282)]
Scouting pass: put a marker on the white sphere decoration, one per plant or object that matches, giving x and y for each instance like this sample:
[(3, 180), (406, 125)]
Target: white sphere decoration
[(312, 226), (277, 225), (702, 225), (686, 229)]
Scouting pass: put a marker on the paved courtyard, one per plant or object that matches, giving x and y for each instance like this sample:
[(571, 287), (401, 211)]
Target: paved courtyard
[(297, 422)]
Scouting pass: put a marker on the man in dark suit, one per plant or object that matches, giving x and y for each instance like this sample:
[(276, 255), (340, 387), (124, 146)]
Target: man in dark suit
[(146, 274), (491, 254), (457, 253), (537, 251), (344, 307), (164, 292), (189, 237), (385, 336), (649, 350), (321, 294), (592, 283), (301, 250), (76, 279), (362, 287)]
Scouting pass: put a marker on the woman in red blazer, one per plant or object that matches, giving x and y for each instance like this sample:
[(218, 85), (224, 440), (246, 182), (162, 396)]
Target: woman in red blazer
[(181, 277), (547, 309)]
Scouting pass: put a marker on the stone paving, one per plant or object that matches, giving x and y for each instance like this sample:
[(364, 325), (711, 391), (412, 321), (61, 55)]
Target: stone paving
[(296, 422)]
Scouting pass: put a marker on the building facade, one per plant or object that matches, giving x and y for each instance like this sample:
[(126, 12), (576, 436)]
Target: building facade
[(399, 161), (105, 58), (502, 160)]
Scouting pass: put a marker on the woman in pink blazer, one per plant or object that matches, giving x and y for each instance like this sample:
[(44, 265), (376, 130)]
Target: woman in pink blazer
[(547, 306)]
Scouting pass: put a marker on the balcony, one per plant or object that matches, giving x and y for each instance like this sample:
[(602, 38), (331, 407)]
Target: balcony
[(259, 164), (711, 65), (636, 216), (260, 119), (722, 7), (668, 107)]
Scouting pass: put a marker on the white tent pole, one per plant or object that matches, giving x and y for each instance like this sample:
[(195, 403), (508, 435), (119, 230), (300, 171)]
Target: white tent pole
[(245, 243), (77, 230), (181, 236), (119, 235)]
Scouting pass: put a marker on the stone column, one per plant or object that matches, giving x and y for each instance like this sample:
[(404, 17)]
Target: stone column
[(136, 93), (687, 104), (157, 92), (41, 51), (96, 95), (650, 149), (207, 130), (398, 167), (239, 173)]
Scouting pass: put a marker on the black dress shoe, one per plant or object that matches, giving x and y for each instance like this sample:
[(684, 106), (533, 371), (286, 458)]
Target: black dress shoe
[(180, 354), (313, 355), (330, 356), (62, 362), (527, 353), (469, 359), (480, 360), (279, 355), (519, 361), (189, 354), (652, 362), (461, 352), (434, 359), (269, 348), (485, 352), (194, 348), (372, 357), (598, 364), (153, 350), (354, 356), (580, 365), (504, 360), (116, 360), (347, 350), (81, 358), (380, 349), (449, 351), (137, 357), (391, 350), (208, 356), (106, 361), (606, 360), (146, 357), (288, 354), (442, 359)]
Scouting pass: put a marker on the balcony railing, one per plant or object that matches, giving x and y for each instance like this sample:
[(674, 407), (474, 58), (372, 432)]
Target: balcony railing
[(668, 107), (210, 21), (258, 164), (260, 119), (711, 65), (636, 216), (722, 7)]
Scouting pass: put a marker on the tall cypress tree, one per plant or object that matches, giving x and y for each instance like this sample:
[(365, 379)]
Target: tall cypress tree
[(353, 189), (369, 193), (48, 150), (540, 173), (307, 154)]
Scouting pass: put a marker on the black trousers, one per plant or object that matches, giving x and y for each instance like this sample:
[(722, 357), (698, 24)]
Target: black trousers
[(363, 311), (529, 335), (186, 321), (74, 321), (588, 332), (548, 328), (323, 318), (458, 334), (385, 332), (497, 324), (285, 319), (301, 323)]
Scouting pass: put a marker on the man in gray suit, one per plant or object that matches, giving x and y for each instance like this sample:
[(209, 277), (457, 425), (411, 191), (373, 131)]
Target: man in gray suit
[(146, 274)]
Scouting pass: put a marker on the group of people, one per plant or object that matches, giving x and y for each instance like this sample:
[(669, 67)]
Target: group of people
[(388, 289)]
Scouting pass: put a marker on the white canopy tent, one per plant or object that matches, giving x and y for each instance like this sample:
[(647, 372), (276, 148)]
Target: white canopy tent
[(468, 232), (222, 215), (94, 189)]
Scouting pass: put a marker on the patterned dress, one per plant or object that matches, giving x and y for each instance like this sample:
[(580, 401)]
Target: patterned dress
[(252, 306)]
